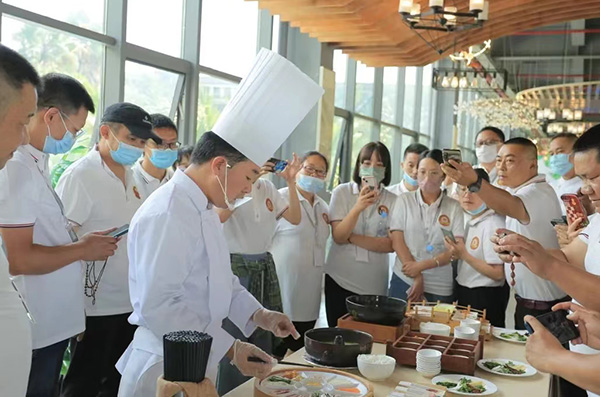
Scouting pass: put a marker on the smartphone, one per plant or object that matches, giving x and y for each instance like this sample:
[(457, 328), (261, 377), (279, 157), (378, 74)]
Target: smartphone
[(370, 181), (558, 324), (574, 209), (448, 233), (123, 230), (559, 221), (451, 154), (279, 164)]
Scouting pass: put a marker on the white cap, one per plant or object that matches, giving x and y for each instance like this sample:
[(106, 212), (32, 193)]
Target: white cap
[(269, 104)]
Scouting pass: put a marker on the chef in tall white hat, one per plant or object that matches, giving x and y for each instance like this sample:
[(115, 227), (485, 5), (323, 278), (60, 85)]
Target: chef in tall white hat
[(179, 269)]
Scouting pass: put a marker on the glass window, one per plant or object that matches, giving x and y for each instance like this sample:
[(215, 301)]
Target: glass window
[(426, 100), (340, 67), (338, 124), (150, 88), (363, 130), (165, 36), (275, 34), (213, 95), (388, 136), (228, 38), (87, 14), (406, 141), (390, 95), (365, 79), (410, 91)]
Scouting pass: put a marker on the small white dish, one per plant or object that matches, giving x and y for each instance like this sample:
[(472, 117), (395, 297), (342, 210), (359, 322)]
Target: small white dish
[(469, 322), (490, 388), (465, 333), (376, 367), (435, 329)]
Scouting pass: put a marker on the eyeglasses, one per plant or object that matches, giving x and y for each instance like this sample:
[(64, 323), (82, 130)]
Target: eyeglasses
[(64, 116), (312, 171), (163, 146), (487, 143)]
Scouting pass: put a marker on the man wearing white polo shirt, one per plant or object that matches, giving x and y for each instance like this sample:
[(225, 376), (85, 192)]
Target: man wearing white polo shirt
[(42, 250), (561, 163), (99, 191), (529, 203)]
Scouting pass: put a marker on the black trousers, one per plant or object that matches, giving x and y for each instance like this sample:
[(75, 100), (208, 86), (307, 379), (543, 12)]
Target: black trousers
[(92, 372), (335, 300), (493, 299)]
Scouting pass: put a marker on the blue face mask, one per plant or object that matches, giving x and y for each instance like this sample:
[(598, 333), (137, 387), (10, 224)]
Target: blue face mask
[(409, 180), (560, 164), (163, 158), (310, 183), (55, 146), (477, 211), (125, 154)]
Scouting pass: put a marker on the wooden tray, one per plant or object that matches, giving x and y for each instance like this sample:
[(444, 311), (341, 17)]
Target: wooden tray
[(458, 355), (380, 333)]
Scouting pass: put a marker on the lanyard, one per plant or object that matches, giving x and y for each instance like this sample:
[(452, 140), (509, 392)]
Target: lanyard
[(430, 228)]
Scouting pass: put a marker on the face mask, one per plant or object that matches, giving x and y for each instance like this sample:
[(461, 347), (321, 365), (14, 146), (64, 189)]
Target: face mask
[(560, 164), (310, 183), (409, 180), (230, 206), (377, 172), (477, 211), (163, 158), (125, 154), (430, 186), (54, 146), (486, 153)]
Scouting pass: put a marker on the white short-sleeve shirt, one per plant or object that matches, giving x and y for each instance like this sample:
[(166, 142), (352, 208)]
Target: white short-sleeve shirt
[(477, 241), (562, 186), (422, 225), (398, 188), (145, 182), (299, 254), (541, 204), (54, 299), (251, 226), (352, 267), (96, 199)]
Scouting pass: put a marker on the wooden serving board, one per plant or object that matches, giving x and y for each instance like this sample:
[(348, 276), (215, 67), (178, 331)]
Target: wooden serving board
[(380, 333)]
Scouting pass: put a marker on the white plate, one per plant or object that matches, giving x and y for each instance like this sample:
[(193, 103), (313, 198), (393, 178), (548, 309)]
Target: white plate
[(299, 388), (498, 331), (490, 388), (529, 370)]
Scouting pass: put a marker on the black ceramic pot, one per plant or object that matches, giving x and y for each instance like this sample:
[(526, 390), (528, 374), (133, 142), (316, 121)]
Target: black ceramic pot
[(376, 309), (337, 347)]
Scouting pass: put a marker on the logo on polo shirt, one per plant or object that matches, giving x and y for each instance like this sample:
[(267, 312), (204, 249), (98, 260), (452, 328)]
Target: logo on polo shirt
[(269, 204), (136, 193), (475, 243), (383, 209), (444, 220), (325, 218)]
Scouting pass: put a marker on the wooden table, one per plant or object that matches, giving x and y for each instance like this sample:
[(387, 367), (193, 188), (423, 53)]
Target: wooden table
[(534, 386)]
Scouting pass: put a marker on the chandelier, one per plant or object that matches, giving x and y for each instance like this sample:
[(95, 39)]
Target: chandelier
[(469, 55), (502, 112), (442, 18)]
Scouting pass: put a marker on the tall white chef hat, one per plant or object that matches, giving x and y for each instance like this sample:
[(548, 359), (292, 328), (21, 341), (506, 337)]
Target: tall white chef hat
[(269, 104)]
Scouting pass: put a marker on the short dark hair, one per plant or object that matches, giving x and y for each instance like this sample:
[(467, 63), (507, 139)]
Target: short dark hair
[(365, 154), (495, 130), (434, 154), (483, 174), (210, 145), (15, 71), (588, 141), (65, 93), (572, 137), (416, 148), (525, 143), (161, 121), (318, 154)]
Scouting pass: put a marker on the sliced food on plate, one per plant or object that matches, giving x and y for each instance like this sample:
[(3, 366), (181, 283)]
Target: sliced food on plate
[(465, 385), (511, 335), (506, 367), (312, 383)]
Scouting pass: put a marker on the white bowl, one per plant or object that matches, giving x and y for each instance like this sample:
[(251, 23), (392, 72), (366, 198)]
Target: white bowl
[(465, 333), (427, 374), (435, 329), (471, 323), (376, 367), (429, 353)]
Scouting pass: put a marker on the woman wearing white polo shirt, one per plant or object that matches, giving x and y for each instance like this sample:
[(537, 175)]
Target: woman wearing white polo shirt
[(421, 268), (357, 262), (299, 251), (481, 281)]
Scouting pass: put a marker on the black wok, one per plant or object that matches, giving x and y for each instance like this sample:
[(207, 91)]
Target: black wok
[(337, 347), (376, 309)]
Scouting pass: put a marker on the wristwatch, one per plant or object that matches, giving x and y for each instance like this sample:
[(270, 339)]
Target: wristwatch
[(476, 187)]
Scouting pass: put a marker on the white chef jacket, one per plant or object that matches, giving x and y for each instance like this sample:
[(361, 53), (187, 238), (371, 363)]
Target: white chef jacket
[(55, 299), (180, 279), (299, 254), (354, 268), (562, 186), (145, 182), (541, 204), (250, 228), (96, 199), (419, 221)]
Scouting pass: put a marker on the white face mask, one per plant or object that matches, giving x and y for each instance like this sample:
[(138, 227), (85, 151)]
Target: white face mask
[(486, 153), (230, 206)]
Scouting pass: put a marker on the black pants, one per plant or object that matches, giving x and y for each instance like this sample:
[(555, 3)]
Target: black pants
[(46, 363), (301, 327), (92, 372), (493, 299), (335, 300)]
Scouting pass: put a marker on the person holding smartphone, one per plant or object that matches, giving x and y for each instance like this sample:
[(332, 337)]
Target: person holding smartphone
[(422, 266), (357, 262), (480, 277)]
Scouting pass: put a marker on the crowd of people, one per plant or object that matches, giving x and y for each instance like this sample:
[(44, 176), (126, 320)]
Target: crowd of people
[(449, 231)]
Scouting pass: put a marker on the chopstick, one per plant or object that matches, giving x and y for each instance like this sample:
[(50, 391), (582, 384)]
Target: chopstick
[(259, 360)]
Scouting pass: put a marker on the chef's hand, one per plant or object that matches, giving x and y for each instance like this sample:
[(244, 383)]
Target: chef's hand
[(462, 173), (292, 169), (278, 323), (97, 246), (542, 347), (588, 323), (366, 198), (242, 351)]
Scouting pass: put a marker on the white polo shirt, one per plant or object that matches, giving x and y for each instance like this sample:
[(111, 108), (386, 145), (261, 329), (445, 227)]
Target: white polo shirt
[(96, 199), (26, 199), (352, 267), (562, 186), (541, 204), (398, 188), (477, 241), (251, 226), (145, 182), (422, 225), (299, 254)]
